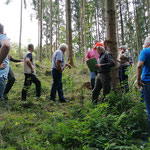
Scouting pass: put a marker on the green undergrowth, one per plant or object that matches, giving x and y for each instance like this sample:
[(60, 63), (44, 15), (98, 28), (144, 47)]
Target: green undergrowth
[(116, 124)]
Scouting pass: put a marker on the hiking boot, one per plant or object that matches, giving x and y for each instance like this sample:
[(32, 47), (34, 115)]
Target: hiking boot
[(62, 100), (52, 99)]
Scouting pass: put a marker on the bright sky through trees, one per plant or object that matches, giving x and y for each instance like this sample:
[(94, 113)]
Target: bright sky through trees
[(10, 18)]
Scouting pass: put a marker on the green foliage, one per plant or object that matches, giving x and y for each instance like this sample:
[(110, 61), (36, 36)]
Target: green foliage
[(118, 123)]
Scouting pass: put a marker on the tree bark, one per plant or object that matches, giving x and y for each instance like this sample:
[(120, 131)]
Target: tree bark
[(69, 32), (20, 34), (41, 28), (112, 41)]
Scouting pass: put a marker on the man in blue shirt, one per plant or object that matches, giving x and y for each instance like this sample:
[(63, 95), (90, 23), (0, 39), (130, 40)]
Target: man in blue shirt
[(4, 62), (58, 65), (143, 75)]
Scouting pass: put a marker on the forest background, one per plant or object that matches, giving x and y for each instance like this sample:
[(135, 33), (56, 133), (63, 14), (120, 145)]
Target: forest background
[(119, 123)]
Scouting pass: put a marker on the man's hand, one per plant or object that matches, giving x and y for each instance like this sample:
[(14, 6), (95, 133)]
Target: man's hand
[(140, 83), (2, 66), (68, 65), (98, 65)]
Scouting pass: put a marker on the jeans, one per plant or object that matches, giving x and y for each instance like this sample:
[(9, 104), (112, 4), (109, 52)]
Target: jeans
[(10, 82), (2, 86), (92, 79), (123, 78), (29, 78), (102, 82), (146, 95), (57, 85)]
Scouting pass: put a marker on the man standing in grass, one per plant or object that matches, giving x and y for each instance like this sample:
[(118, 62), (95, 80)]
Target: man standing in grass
[(4, 62), (105, 63), (92, 54), (143, 76), (58, 65), (29, 72)]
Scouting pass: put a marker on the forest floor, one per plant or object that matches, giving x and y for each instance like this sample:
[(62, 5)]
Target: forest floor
[(39, 124)]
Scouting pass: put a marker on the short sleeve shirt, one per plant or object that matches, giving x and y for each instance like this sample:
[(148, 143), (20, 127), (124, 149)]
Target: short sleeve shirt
[(27, 69), (92, 54), (58, 55), (4, 72), (145, 57)]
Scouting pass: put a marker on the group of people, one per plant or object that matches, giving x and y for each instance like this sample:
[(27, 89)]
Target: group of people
[(101, 79), (6, 72)]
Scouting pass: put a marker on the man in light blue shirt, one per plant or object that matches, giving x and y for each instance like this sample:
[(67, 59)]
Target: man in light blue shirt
[(58, 65), (4, 62)]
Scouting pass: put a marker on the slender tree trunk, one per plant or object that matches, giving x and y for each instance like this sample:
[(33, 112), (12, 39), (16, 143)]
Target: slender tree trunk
[(121, 21), (41, 28), (69, 32), (51, 29), (112, 41), (20, 34), (148, 10)]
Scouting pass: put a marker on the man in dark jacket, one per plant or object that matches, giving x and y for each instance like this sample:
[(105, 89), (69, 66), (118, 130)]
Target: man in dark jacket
[(105, 63)]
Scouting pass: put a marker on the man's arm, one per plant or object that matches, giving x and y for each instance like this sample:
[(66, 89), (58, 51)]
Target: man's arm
[(4, 50), (30, 64), (58, 63), (14, 60), (139, 72)]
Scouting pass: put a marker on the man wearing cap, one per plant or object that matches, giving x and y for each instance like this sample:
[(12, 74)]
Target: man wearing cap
[(105, 63), (123, 63), (92, 54)]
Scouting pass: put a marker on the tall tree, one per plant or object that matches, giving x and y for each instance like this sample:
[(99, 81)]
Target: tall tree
[(111, 39), (69, 32), (20, 33), (41, 28)]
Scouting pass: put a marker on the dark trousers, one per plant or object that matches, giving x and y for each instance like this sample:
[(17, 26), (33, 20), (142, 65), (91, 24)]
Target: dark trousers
[(123, 78), (146, 96), (102, 82), (29, 78), (57, 85), (10, 82)]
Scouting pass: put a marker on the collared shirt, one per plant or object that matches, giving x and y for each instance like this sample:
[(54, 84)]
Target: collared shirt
[(126, 55), (58, 55), (145, 57), (92, 54), (4, 72)]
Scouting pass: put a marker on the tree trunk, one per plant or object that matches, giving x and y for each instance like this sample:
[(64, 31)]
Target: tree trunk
[(121, 21), (69, 32), (51, 29), (112, 41), (41, 28), (20, 34)]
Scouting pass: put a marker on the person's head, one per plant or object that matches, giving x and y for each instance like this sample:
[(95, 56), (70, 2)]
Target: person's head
[(122, 48), (30, 47), (99, 47), (1, 29), (147, 42), (63, 47)]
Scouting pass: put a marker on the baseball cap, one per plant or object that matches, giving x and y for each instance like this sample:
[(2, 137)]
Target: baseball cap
[(98, 44)]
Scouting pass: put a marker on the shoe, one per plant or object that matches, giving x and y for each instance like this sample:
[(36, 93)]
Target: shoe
[(52, 99), (62, 100), (38, 98), (5, 97), (23, 99)]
